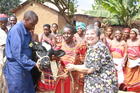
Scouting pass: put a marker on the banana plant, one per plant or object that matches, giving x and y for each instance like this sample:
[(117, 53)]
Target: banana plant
[(123, 10)]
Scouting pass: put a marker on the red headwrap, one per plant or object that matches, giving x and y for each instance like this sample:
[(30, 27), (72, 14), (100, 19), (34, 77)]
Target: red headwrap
[(126, 30), (3, 17)]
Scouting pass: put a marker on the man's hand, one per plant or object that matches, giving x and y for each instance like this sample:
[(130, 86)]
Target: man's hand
[(37, 65), (55, 58)]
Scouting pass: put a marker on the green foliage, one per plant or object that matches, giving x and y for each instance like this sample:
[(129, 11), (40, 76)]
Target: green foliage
[(111, 21), (72, 7), (98, 11), (123, 10), (7, 5), (117, 12)]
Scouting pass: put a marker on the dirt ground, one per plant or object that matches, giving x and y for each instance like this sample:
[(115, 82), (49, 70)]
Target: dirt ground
[(118, 92), (125, 92)]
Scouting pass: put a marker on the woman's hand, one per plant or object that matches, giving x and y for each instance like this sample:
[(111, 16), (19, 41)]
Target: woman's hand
[(90, 70), (80, 68), (70, 67)]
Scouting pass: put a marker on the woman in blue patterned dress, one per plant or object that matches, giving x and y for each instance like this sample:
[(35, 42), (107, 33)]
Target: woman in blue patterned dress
[(100, 74)]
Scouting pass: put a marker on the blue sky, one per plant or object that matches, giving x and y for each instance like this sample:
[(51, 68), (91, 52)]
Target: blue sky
[(85, 4), (82, 4)]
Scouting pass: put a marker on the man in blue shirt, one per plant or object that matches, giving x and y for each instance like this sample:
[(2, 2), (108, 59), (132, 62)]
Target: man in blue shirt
[(19, 63)]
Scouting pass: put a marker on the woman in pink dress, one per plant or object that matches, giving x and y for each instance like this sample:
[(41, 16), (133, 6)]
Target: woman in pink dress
[(46, 36), (118, 49), (108, 35)]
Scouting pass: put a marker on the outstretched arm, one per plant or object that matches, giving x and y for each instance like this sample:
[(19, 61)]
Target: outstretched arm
[(80, 68)]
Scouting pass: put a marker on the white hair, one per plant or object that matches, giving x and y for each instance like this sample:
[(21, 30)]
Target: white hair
[(94, 28)]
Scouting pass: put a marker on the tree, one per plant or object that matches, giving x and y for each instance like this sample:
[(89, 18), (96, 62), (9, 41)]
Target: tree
[(7, 5), (66, 8), (123, 10), (98, 11)]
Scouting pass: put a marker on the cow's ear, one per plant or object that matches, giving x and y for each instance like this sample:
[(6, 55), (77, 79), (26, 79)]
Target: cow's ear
[(59, 53), (47, 46)]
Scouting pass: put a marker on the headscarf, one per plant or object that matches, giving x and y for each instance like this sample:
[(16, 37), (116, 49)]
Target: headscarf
[(80, 25), (135, 30), (127, 29), (3, 17)]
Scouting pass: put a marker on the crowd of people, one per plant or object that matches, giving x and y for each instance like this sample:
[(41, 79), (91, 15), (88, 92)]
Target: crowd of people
[(96, 60)]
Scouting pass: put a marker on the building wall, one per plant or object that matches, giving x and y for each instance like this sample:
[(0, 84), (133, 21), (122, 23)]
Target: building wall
[(86, 19), (90, 20), (45, 14), (61, 23)]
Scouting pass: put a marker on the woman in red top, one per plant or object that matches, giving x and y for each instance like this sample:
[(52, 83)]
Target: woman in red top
[(74, 53), (133, 66)]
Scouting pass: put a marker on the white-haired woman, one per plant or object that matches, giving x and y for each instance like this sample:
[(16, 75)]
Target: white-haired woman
[(100, 74)]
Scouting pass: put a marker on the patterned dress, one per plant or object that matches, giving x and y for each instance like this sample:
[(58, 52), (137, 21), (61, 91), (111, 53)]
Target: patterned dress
[(103, 79)]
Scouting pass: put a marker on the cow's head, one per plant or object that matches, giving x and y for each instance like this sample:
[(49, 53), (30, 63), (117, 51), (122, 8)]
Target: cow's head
[(43, 52)]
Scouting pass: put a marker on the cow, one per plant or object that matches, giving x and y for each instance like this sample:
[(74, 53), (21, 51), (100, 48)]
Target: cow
[(43, 54)]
